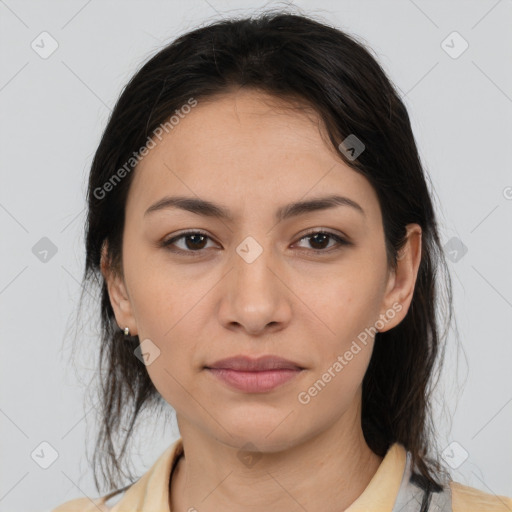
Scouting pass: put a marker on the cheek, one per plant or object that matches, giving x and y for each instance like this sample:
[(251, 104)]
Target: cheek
[(171, 372), (332, 391), (159, 297), (164, 310), (349, 308), (342, 305)]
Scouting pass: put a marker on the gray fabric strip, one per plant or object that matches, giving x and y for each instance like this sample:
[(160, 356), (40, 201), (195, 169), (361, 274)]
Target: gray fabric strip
[(412, 497)]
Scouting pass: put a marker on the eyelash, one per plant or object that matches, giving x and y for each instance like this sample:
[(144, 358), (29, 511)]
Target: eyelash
[(340, 240)]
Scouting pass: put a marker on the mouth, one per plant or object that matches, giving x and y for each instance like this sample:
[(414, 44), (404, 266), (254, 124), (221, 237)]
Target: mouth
[(254, 381), (252, 375)]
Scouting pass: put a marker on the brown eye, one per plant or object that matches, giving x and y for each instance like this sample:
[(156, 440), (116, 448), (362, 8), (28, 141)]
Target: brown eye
[(193, 241), (319, 241)]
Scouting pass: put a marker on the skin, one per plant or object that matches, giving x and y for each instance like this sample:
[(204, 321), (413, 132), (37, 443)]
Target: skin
[(253, 153)]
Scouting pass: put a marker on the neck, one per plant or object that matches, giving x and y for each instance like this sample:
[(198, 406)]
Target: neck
[(328, 472)]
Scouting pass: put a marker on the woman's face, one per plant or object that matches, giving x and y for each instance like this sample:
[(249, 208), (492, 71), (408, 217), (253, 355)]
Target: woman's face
[(256, 285)]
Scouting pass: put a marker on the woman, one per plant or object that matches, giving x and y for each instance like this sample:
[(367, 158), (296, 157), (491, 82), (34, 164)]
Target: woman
[(261, 227)]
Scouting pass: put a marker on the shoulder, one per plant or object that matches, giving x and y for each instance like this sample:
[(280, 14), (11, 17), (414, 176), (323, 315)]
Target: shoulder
[(102, 504), (83, 505), (470, 499)]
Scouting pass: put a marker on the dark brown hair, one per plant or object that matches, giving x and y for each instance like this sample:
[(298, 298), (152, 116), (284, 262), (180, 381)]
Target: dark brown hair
[(290, 56)]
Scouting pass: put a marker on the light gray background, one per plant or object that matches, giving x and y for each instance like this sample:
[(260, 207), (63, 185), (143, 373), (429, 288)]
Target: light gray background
[(52, 114)]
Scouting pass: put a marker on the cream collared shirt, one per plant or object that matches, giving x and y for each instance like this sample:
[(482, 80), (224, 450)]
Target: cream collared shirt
[(390, 490)]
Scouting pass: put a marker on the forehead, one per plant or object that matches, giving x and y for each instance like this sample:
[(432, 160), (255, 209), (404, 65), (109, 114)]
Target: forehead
[(245, 123), (246, 145)]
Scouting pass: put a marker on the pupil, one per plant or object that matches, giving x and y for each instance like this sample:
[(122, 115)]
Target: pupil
[(194, 245), (323, 235)]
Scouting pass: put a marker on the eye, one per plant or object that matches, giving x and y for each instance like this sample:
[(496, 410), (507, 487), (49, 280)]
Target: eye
[(194, 242), (317, 239)]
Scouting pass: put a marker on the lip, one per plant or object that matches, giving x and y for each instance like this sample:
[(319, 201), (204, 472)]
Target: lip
[(254, 375), (251, 364)]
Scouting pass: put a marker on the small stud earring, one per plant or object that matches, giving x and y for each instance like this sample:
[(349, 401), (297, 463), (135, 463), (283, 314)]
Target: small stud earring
[(127, 331)]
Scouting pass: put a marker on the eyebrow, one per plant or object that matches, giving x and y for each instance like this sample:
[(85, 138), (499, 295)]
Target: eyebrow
[(209, 209)]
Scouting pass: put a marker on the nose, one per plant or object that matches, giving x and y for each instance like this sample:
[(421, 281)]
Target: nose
[(255, 297)]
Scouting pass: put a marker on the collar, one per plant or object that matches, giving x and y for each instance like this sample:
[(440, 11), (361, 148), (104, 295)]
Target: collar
[(380, 494), (151, 491)]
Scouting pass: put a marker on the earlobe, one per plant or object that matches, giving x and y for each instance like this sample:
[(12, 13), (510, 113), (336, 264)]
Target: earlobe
[(402, 281)]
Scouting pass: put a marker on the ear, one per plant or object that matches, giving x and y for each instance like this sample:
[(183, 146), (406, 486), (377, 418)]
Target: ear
[(401, 282), (118, 294)]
